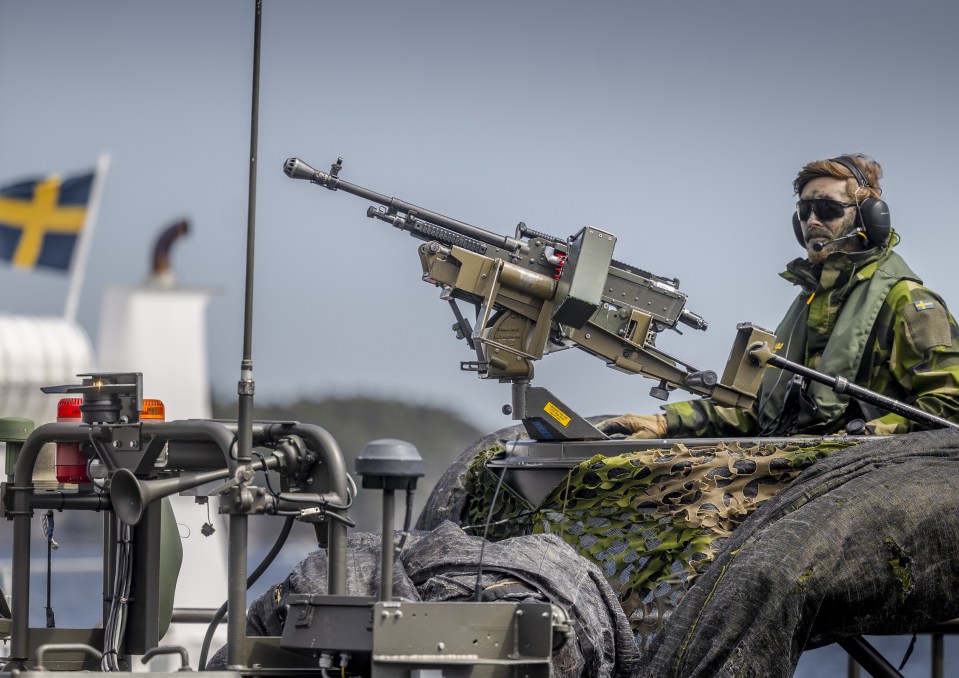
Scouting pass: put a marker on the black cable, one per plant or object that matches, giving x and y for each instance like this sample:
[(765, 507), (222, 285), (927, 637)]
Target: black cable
[(296, 514), (407, 519), (115, 624), (250, 581), (477, 591), (51, 619), (912, 646), (296, 498), (292, 497), (511, 519), (266, 473)]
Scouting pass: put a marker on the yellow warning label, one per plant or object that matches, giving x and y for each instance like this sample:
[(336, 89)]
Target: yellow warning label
[(557, 413)]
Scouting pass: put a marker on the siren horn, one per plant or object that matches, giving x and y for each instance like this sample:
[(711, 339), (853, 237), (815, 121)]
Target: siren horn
[(130, 496)]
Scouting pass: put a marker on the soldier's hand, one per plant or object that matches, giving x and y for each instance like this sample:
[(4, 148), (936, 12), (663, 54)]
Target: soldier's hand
[(635, 426)]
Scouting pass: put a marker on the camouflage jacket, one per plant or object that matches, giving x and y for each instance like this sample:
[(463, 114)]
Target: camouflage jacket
[(911, 354)]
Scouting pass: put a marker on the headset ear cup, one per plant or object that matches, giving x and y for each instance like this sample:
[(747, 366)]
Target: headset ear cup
[(797, 229), (874, 214)]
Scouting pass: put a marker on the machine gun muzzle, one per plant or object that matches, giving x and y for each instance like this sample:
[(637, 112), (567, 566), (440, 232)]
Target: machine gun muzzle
[(690, 319), (297, 169)]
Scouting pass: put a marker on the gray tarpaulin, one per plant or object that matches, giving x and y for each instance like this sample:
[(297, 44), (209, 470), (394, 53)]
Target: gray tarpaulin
[(441, 565)]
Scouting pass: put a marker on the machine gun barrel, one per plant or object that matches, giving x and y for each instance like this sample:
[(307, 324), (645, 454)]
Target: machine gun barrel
[(297, 169)]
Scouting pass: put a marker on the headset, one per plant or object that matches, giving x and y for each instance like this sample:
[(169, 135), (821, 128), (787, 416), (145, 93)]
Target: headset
[(873, 213)]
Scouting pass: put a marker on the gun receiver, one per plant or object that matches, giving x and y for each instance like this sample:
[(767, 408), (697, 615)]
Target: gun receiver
[(535, 293)]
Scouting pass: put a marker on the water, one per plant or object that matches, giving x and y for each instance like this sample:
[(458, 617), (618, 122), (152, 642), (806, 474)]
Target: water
[(831, 661)]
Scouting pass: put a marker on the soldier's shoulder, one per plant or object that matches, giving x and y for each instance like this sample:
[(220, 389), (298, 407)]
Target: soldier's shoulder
[(924, 314), (909, 293)]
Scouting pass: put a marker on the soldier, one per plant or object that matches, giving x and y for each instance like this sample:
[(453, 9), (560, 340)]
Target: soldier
[(861, 314)]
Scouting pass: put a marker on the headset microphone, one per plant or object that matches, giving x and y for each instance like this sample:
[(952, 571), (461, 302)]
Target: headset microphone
[(820, 246)]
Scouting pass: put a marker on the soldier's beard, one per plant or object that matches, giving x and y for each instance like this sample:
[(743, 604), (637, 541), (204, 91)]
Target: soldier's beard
[(825, 236), (820, 256)]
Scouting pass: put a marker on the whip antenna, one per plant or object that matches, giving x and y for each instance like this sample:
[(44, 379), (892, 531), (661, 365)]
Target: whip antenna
[(236, 623)]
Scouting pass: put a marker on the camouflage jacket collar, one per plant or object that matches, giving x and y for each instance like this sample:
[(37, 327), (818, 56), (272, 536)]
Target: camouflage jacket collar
[(841, 270)]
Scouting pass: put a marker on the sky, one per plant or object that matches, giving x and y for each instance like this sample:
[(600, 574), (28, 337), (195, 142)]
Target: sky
[(677, 126)]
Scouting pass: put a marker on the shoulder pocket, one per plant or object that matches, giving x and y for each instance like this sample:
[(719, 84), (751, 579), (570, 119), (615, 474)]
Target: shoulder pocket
[(927, 323)]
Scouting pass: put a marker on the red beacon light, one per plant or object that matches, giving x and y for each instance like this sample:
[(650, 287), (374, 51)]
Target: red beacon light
[(71, 463), (68, 409)]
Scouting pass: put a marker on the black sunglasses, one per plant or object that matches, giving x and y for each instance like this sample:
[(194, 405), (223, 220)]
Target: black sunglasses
[(825, 209)]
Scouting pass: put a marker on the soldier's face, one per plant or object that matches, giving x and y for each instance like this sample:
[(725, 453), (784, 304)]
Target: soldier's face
[(817, 229)]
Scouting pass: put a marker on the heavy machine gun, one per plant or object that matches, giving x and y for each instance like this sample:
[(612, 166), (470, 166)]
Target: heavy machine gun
[(536, 293)]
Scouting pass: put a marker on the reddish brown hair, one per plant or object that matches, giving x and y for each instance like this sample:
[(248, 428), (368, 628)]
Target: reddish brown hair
[(870, 169)]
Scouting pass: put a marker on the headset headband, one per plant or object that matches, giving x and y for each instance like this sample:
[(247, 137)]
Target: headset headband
[(856, 172)]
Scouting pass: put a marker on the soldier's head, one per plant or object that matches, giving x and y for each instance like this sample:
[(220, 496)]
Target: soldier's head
[(832, 196)]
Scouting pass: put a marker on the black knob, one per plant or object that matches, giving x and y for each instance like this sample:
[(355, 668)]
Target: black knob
[(856, 427), (659, 392)]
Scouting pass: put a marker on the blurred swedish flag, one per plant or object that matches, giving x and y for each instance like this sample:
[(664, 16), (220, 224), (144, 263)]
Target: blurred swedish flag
[(41, 220)]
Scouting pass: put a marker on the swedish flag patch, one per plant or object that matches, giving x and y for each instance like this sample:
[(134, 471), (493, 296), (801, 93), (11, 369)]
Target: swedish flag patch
[(924, 305)]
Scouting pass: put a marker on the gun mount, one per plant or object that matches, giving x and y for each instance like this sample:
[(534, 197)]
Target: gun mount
[(536, 293)]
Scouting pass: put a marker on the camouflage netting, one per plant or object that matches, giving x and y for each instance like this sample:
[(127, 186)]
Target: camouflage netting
[(651, 520)]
